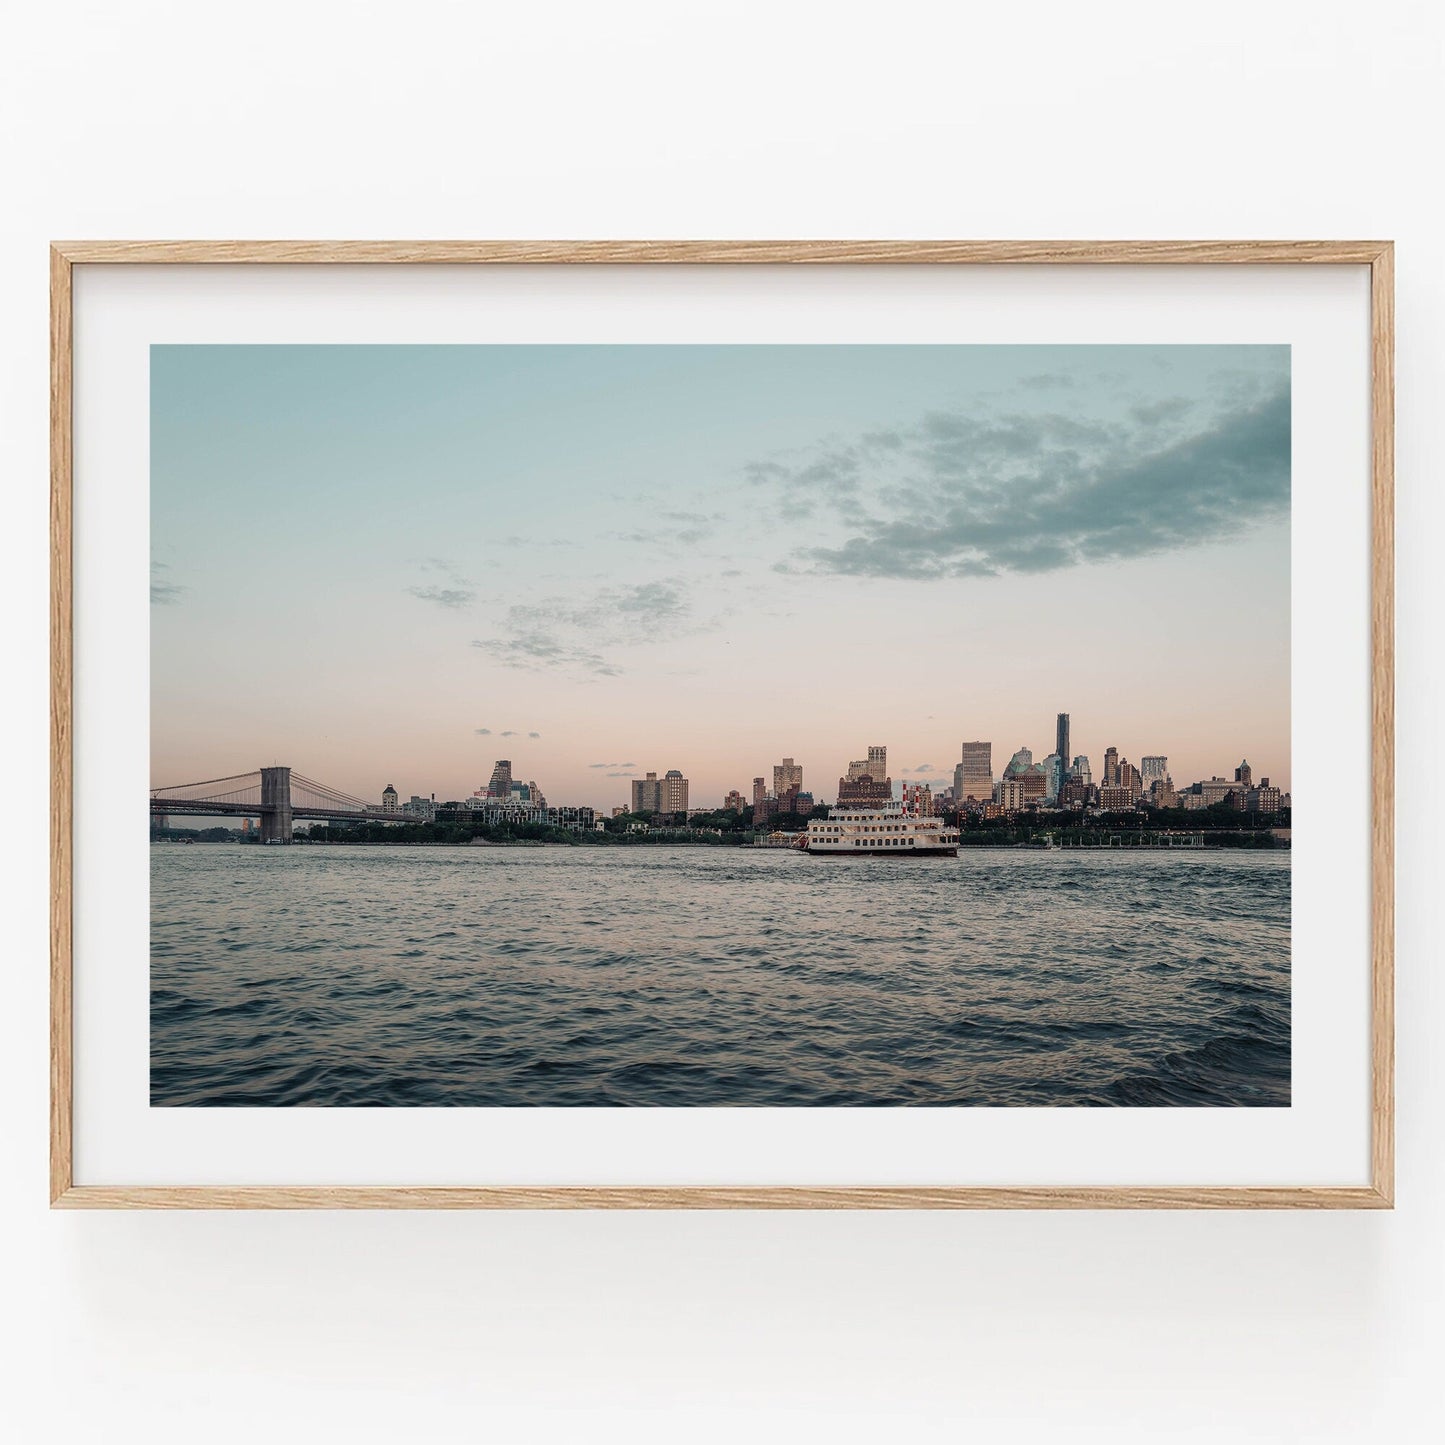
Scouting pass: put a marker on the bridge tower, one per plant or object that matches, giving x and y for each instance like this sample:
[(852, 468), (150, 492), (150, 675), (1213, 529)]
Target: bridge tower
[(275, 805)]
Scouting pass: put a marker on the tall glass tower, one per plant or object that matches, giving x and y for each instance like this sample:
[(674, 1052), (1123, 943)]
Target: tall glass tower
[(1061, 739)]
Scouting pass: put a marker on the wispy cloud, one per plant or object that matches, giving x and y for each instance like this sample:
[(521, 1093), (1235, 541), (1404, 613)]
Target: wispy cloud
[(572, 633), (683, 529), (460, 593), (532, 648), (484, 732), (452, 597), (446, 567), (970, 496), (611, 765), (163, 593)]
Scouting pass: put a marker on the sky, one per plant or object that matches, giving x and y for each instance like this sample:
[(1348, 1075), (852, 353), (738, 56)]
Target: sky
[(396, 564)]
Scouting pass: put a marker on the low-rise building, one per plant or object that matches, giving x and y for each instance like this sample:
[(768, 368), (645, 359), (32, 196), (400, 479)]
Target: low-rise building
[(1117, 798), (865, 791), (1264, 799), (574, 819), (1008, 795)]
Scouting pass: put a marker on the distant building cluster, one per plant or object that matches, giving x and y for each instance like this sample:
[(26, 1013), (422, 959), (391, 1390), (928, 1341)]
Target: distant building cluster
[(665, 795), (1067, 783), (504, 799), (1061, 781), (1064, 780), (867, 784), (416, 810), (785, 796)]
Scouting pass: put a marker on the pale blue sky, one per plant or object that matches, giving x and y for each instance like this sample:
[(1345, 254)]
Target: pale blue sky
[(374, 562)]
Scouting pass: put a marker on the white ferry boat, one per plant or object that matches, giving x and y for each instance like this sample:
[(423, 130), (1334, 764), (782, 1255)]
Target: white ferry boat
[(894, 832)]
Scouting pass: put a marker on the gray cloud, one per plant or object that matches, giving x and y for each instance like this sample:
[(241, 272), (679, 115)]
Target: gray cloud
[(571, 633), (509, 733), (978, 496), (514, 540), (611, 765), (534, 735), (163, 593), (446, 567), (531, 649), (1169, 408), (685, 529), (452, 597), (484, 732), (1046, 381)]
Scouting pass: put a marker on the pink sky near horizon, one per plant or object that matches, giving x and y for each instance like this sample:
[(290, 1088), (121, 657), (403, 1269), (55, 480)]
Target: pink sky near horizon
[(723, 719)]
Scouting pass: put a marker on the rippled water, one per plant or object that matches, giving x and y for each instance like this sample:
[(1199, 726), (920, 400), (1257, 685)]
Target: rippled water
[(702, 976)]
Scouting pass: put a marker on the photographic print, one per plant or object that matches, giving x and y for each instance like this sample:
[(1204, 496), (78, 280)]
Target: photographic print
[(802, 726)]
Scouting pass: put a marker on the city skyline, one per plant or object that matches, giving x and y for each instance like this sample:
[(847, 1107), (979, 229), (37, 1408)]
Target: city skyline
[(603, 561), (646, 791)]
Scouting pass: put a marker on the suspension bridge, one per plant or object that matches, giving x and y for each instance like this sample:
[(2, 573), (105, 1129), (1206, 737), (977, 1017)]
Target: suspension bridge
[(276, 796)]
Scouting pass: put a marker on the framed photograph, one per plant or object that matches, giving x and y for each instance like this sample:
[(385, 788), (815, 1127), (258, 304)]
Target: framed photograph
[(722, 724)]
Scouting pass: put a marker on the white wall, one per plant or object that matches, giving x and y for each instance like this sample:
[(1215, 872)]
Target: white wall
[(432, 119)]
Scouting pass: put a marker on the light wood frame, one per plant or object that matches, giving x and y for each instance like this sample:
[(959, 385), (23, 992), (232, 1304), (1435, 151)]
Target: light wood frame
[(1378, 256)]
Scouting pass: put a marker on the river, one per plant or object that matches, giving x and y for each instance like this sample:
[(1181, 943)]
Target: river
[(717, 976)]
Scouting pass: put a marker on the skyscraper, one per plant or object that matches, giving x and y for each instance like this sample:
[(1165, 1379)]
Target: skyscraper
[(674, 792), (1061, 740), (786, 774), (1111, 767), (760, 790), (973, 777), (501, 783), (647, 794), (876, 792), (1153, 769), (1020, 763), (1053, 767), (1126, 776)]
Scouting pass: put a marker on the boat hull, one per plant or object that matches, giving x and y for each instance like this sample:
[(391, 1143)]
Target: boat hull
[(948, 851)]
